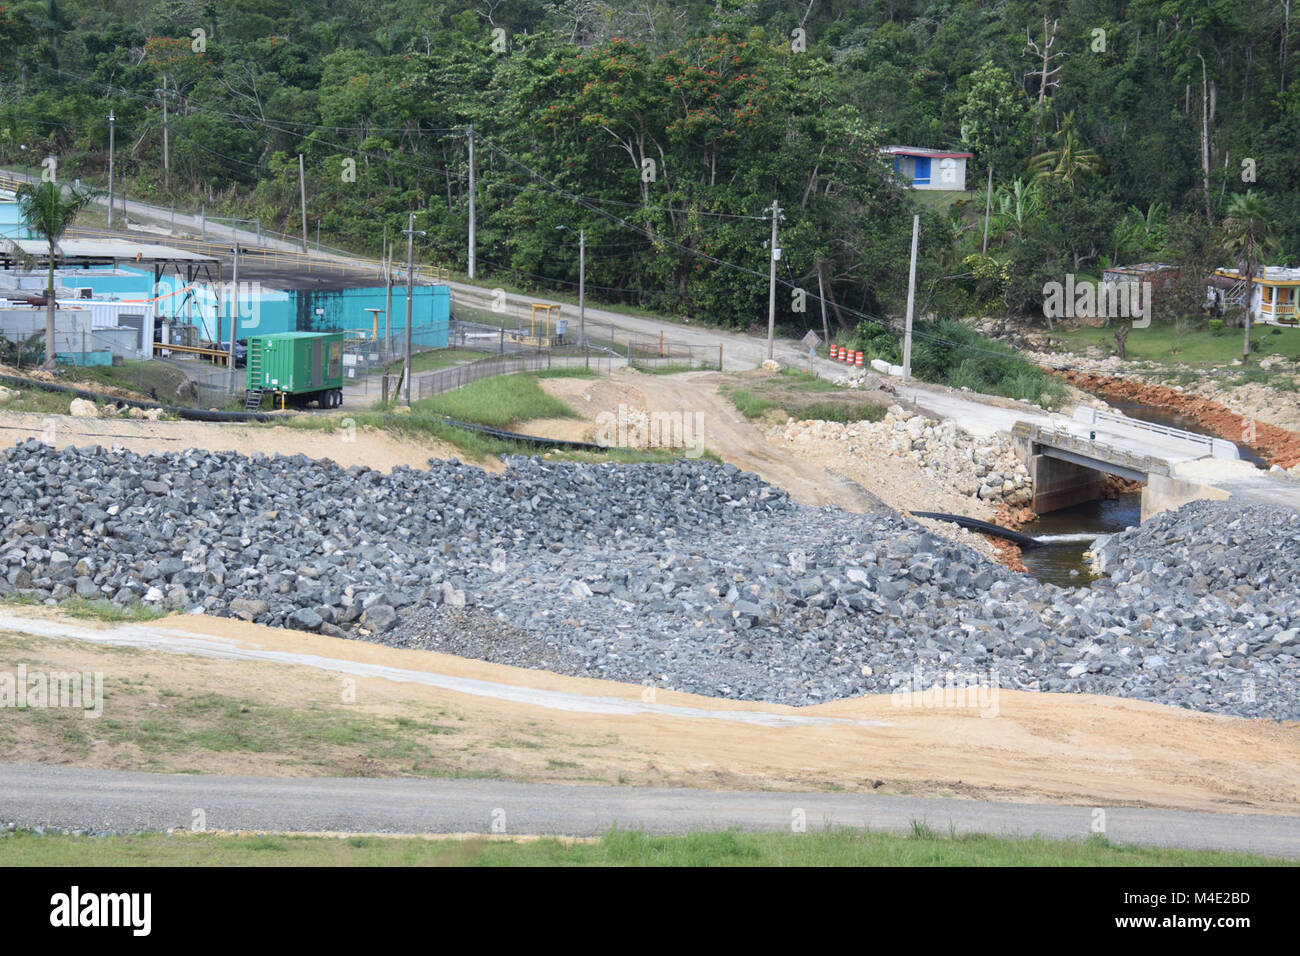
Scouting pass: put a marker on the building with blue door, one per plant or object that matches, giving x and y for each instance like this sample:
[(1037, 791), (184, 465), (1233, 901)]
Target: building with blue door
[(930, 168)]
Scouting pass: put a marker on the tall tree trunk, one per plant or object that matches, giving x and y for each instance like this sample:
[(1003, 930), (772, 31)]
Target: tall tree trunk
[(830, 294)]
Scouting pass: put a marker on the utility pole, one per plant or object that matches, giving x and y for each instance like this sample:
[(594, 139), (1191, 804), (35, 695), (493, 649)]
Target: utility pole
[(411, 233), (988, 207), (771, 288), (388, 298), (112, 121), (473, 224), (821, 297), (302, 189), (911, 301), (167, 166), (234, 316), (1205, 141), (582, 289)]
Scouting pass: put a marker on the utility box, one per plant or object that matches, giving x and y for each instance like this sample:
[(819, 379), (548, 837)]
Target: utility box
[(297, 368)]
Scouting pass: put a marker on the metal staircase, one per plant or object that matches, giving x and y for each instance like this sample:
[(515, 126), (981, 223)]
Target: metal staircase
[(253, 395), (1236, 295)]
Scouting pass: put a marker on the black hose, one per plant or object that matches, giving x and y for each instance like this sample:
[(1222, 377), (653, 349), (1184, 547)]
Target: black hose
[(181, 411), (204, 415), (985, 527), (526, 439)]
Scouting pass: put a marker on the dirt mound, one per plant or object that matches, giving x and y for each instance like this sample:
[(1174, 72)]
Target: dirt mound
[(1277, 445), (347, 445)]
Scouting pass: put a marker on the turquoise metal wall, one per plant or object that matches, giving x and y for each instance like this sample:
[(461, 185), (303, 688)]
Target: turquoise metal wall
[(266, 311), (12, 224)]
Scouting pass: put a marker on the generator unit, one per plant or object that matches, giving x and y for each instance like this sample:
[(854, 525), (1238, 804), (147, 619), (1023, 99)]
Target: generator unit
[(295, 368)]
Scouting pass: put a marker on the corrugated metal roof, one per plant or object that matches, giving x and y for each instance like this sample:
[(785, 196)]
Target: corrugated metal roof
[(106, 249), (923, 151)]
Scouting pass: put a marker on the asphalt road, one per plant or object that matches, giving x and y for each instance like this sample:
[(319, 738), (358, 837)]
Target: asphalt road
[(117, 800)]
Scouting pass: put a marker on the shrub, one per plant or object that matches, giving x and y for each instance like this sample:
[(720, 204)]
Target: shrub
[(954, 354), (1216, 326), (877, 341)]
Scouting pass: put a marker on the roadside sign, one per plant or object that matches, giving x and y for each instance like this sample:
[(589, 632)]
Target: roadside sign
[(811, 340)]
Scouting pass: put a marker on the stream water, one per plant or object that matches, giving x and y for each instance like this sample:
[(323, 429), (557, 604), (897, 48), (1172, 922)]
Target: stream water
[(1069, 533)]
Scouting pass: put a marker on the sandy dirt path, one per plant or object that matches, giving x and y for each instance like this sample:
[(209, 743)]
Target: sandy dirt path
[(814, 472), (1016, 746), (345, 445), (726, 432)]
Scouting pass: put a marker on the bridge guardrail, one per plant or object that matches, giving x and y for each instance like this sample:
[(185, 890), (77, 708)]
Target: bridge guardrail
[(1217, 447), (1100, 451)]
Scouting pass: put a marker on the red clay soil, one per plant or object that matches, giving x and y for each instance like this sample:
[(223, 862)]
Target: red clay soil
[(1014, 518), (1008, 554), (1277, 446)]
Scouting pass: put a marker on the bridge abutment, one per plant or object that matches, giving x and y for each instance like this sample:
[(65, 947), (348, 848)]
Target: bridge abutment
[(1061, 484), (1163, 493)]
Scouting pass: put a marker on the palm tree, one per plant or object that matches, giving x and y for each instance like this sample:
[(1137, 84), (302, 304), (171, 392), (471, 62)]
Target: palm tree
[(1248, 234), (1069, 161), (49, 213)]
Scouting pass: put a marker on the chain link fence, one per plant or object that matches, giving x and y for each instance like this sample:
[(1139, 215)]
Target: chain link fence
[(427, 384)]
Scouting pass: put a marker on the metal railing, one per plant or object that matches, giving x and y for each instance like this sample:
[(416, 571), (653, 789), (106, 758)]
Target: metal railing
[(426, 384), (1218, 447), (492, 329)]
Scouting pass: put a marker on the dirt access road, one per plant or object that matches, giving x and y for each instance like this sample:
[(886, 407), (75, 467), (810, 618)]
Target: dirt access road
[(537, 726), (820, 474), (720, 428)]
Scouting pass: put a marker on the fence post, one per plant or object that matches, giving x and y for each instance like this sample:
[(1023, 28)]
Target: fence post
[(719, 356)]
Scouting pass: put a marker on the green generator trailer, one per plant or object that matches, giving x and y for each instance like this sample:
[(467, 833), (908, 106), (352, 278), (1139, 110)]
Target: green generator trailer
[(295, 368)]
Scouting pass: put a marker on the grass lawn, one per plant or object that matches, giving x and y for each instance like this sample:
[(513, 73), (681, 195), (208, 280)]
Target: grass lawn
[(922, 847), (38, 400), (503, 401), (801, 396), (1162, 343), (433, 359), (500, 402), (133, 375), (102, 610), (162, 719)]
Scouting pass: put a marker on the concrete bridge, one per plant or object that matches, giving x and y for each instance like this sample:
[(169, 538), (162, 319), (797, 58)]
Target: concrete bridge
[(1067, 458)]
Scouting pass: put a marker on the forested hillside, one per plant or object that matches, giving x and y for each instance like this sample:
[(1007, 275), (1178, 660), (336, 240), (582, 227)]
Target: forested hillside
[(666, 130)]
